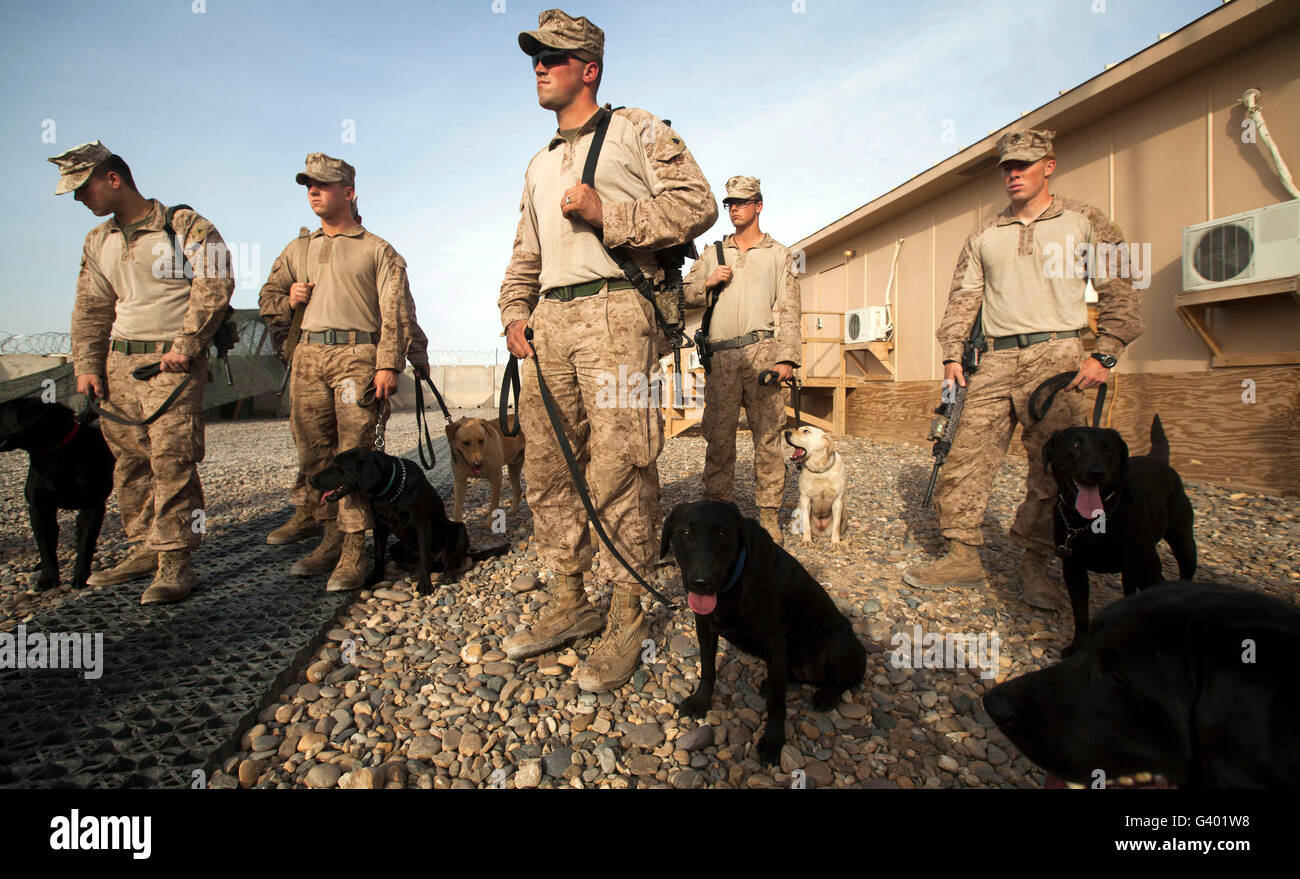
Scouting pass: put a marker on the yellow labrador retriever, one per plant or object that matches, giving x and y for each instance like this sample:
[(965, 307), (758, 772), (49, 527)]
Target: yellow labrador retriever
[(823, 481), (478, 449)]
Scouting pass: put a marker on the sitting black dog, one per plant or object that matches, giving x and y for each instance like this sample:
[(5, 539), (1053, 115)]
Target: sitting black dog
[(405, 505), (1194, 683), (741, 585), (71, 468), (1112, 510)]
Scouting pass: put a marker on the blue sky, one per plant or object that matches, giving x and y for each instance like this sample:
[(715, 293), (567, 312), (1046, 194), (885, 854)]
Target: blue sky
[(831, 107)]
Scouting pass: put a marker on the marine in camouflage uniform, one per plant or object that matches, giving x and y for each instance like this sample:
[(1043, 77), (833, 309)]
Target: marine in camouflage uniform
[(1015, 265), (590, 328), (755, 326), (357, 329), (135, 306)]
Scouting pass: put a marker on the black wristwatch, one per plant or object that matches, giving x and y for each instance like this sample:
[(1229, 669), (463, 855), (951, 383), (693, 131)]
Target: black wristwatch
[(1106, 360)]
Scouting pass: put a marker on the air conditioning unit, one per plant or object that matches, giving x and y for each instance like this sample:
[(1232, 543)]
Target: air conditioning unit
[(870, 324), (1257, 245)]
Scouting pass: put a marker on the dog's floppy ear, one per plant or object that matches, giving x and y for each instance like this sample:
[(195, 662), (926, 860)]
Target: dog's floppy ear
[(1048, 447), (830, 444), (666, 534), (452, 427), (1123, 454)]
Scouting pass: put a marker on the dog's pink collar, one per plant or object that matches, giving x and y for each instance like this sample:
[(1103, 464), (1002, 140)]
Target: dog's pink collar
[(76, 426)]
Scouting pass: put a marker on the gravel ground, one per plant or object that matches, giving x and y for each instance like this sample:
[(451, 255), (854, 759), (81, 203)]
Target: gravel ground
[(428, 699)]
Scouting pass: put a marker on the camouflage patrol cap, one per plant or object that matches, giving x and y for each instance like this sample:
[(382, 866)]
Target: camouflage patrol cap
[(77, 164), (559, 30), (326, 169), (1026, 145), (741, 188)]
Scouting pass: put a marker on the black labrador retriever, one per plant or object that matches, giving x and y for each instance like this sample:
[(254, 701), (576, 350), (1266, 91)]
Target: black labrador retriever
[(404, 505), (744, 587), (70, 468), (1112, 510), (1196, 684)]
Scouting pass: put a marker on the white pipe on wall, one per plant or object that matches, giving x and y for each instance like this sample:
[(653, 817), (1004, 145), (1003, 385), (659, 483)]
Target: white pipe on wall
[(1250, 98)]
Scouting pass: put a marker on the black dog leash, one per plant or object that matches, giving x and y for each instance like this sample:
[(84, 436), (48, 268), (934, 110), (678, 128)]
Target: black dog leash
[(1041, 399), (767, 376), (509, 383), (579, 482), (144, 374), (422, 438)]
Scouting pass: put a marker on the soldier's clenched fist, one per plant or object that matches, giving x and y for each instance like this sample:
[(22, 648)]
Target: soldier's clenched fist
[(583, 201)]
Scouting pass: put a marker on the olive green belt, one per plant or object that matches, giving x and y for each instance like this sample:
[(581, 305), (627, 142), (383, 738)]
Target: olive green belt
[(339, 337), (1025, 340), (130, 346), (576, 291), (741, 341)]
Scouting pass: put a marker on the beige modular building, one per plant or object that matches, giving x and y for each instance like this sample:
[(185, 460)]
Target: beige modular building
[(1162, 141)]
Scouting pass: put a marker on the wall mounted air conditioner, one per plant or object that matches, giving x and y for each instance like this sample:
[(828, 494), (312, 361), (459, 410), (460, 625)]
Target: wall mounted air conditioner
[(870, 324), (1257, 245)]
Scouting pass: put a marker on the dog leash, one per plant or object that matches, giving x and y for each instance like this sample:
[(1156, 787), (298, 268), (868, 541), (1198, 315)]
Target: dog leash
[(144, 374), (422, 438), (767, 376), (1041, 399), (509, 383), (579, 482)]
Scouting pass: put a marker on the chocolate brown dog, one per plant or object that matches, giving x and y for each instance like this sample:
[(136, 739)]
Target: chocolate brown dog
[(741, 585)]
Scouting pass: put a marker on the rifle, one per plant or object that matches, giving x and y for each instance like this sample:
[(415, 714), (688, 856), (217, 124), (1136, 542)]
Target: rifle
[(702, 344), (943, 429), (295, 323)]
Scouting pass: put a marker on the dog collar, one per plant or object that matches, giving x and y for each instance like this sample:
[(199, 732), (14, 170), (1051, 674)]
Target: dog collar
[(76, 426), (834, 456), (1063, 550), (401, 464), (735, 573)]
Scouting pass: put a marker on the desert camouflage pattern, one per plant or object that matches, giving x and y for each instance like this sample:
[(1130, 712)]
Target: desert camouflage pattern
[(361, 284), (1026, 145), (117, 285), (732, 382), (326, 169), (740, 187), (997, 400), (763, 294), (325, 417), (77, 164), (581, 347), (1001, 267), (559, 30), (156, 475), (654, 196)]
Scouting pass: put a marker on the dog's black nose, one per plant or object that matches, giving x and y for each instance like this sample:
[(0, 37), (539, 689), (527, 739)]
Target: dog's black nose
[(699, 581), (1094, 477)]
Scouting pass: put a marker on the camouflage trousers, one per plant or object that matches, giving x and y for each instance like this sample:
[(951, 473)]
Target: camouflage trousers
[(156, 476), (327, 385), (997, 400), (732, 382), (597, 354)]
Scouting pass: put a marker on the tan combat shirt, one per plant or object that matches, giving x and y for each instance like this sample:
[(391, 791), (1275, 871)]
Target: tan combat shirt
[(654, 196), (361, 284), (1026, 277), (763, 286), (134, 289)]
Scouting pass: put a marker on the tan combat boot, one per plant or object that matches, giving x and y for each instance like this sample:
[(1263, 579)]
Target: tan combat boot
[(960, 566), (350, 573), (569, 616), (770, 520), (174, 580), (613, 660), (323, 558), (301, 526), (1036, 587), (140, 562)]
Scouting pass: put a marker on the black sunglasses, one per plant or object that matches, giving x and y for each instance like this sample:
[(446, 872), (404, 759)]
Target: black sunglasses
[(550, 58), (737, 202)]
